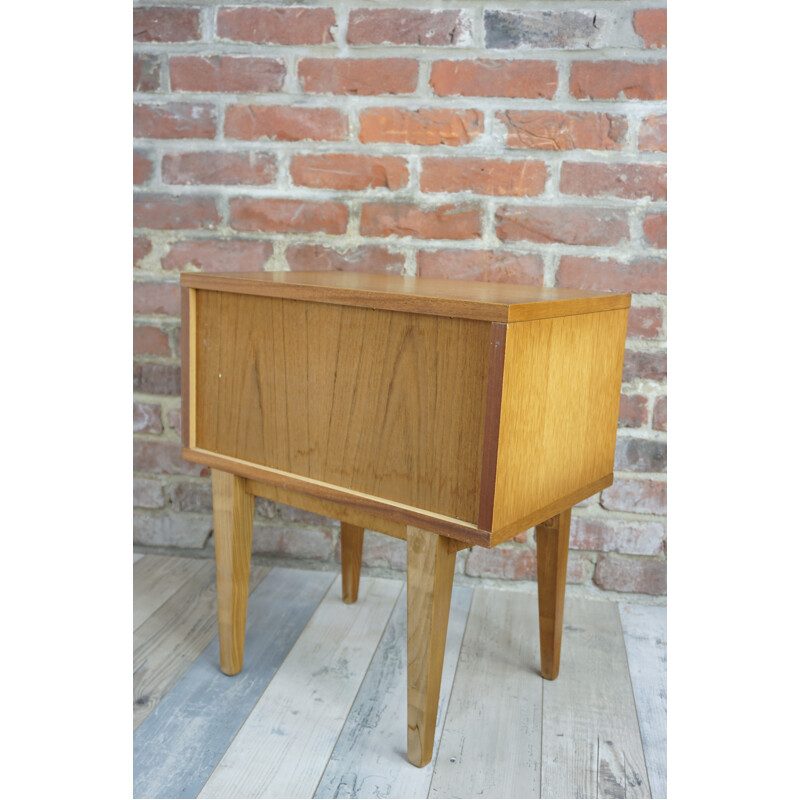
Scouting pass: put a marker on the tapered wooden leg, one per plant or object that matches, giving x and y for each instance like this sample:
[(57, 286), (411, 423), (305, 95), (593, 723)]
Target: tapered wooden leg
[(352, 539), (431, 565), (552, 547), (233, 536)]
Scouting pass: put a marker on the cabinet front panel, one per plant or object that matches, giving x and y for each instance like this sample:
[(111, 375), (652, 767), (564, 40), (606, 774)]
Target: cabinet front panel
[(383, 402)]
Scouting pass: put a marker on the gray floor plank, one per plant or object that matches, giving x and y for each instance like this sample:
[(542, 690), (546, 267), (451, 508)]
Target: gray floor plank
[(282, 749), (180, 743), (370, 757), (645, 632), (491, 742), (156, 579), (591, 746), (174, 635), (137, 557)]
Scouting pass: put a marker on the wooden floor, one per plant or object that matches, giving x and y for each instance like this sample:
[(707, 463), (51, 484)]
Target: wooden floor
[(319, 708)]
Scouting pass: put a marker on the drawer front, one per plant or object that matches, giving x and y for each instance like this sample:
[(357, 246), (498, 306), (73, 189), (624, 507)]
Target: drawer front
[(382, 402)]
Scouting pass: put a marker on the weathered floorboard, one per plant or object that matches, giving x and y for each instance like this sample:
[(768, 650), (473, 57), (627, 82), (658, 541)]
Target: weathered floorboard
[(645, 632), (183, 739), (156, 579), (491, 742), (591, 745), (369, 759), (283, 747), (137, 557), (174, 635)]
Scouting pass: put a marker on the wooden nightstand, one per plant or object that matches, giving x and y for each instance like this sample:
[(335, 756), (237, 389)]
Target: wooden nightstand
[(446, 413)]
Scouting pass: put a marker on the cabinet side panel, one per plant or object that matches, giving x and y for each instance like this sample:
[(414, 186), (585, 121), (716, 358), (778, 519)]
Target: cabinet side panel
[(384, 402), (558, 423)]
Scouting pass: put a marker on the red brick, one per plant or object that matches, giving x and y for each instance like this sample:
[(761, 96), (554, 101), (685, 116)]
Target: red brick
[(653, 133), (632, 181), (285, 124), (163, 458), (641, 275), (404, 219), (218, 255), (660, 414), (610, 80), (147, 493), (167, 212), (555, 130), (281, 215), (150, 341), (361, 259), (157, 379), (645, 322), (141, 247), (358, 76), (481, 265), (156, 298), (289, 540), (613, 536), (632, 411), (191, 497), (483, 176), (640, 455), (651, 25), (349, 172), (407, 26), (644, 576), (175, 121), (520, 565), (166, 24), (645, 497), (565, 224), (276, 25), (489, 77), (226, 74), (654, 228), (426, 126), (174, 420), (147, 418), (142, 167), (647, 366), (146, 73), (248, 169)]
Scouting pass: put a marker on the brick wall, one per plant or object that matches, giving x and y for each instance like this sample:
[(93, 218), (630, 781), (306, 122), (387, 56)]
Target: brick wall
[(522, 142)]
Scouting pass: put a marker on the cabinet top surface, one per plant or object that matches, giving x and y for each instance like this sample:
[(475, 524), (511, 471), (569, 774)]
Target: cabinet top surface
[(495, 302)]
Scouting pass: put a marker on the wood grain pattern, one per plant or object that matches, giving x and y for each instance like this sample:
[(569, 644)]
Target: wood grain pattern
[(352, 542), (155, 580), (479, 300), (590, 737), (396, 512), (380, 402), (233, 538), (327, 508), (188, 366), (167, 643), (491, 424), (645, 632), (558, 423), (552, 549), (180, 743), (431, 565), (283, 747), (368, 758), (492, 736)]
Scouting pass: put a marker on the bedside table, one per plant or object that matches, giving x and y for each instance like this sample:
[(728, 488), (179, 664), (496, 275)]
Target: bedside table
[(446, 413)]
